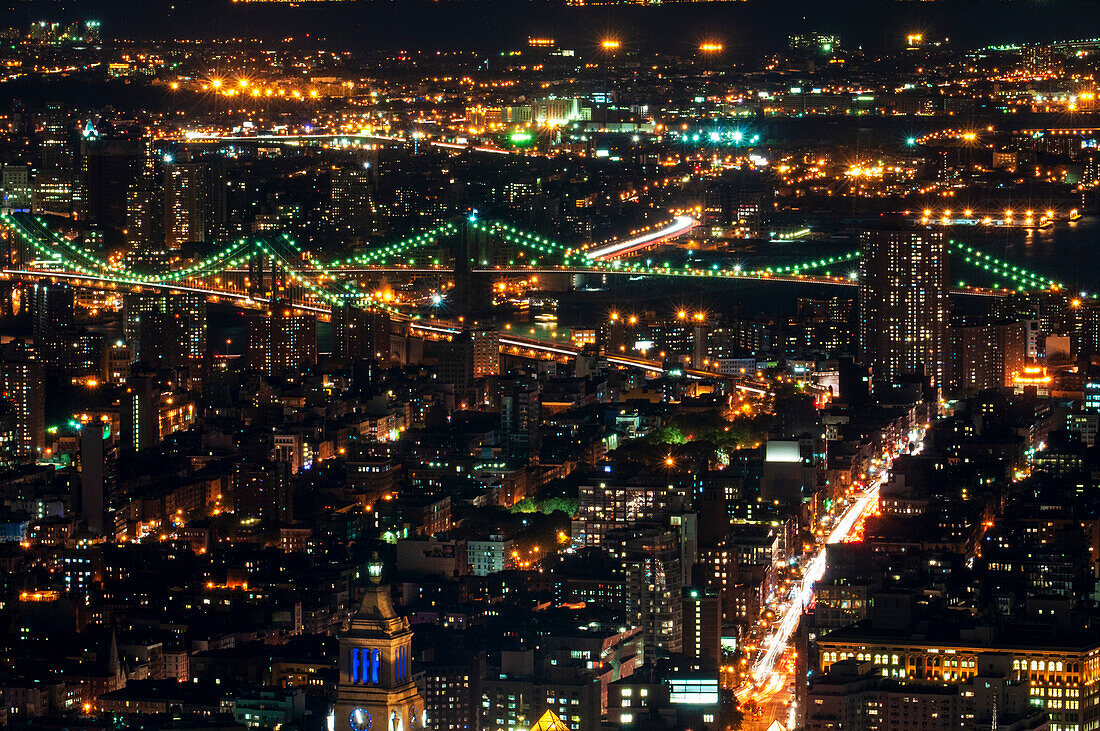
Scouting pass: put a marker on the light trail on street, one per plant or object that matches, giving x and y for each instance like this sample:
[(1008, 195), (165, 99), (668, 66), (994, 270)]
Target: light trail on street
[(765, 680), (763, 667)]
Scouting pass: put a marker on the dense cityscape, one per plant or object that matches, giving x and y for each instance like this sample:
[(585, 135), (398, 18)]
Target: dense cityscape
[(562, 385)]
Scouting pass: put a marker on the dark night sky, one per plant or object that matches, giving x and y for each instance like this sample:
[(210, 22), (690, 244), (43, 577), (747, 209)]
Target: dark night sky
[(744, 27)]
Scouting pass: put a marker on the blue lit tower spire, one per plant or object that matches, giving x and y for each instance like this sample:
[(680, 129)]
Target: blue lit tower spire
[(376, 689)]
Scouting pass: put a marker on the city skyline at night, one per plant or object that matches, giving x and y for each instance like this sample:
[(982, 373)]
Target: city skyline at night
[(573, 366)]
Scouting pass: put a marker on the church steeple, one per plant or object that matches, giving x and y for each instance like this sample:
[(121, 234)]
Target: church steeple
[(376, 691)]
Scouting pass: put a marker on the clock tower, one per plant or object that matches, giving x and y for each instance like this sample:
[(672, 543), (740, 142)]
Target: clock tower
[(376, 691)]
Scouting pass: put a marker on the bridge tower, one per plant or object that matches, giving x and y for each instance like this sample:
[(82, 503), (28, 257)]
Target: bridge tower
[(266, 276), (473, 290), (256, 262), (278, 280)]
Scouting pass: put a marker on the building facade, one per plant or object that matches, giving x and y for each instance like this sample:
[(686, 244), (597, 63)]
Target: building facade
[(903, 305), (376, 688)]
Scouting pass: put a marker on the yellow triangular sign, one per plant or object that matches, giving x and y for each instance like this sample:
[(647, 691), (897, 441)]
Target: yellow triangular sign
[(549, 722)]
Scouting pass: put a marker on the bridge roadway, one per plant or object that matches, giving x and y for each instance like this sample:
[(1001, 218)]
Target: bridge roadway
[(678, 227), (200, 137), (80, 279), (519, 271), (90, 281), (695, 273)]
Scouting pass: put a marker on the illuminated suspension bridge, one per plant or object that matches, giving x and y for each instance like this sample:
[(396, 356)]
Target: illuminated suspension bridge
[(256, 269)]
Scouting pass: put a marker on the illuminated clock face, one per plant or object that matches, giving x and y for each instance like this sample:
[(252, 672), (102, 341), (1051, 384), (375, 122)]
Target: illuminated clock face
[(412, 716), (359, 719)]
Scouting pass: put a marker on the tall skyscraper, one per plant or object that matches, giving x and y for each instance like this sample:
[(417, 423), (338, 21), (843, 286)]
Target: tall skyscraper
[(149, 414), (184, 209), (9, 434), (1015, 349), (98, 475), (280, 342), (486, 353), (903, 305), (16, 193), (975, 357), (455, 360), (359, 334), (55, 182), (702, 635), (263, 490), (137, 412), (653, 587), (468, 356), (21, 383), (351, 210), (143, 229), (163, 328), (162, 339), (521, 420), (89, 355), (376, 688), (194, 201), (53, 324), (109, 168)]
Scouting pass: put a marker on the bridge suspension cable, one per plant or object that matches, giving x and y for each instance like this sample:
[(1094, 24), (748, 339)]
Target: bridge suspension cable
[(59, 251)]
